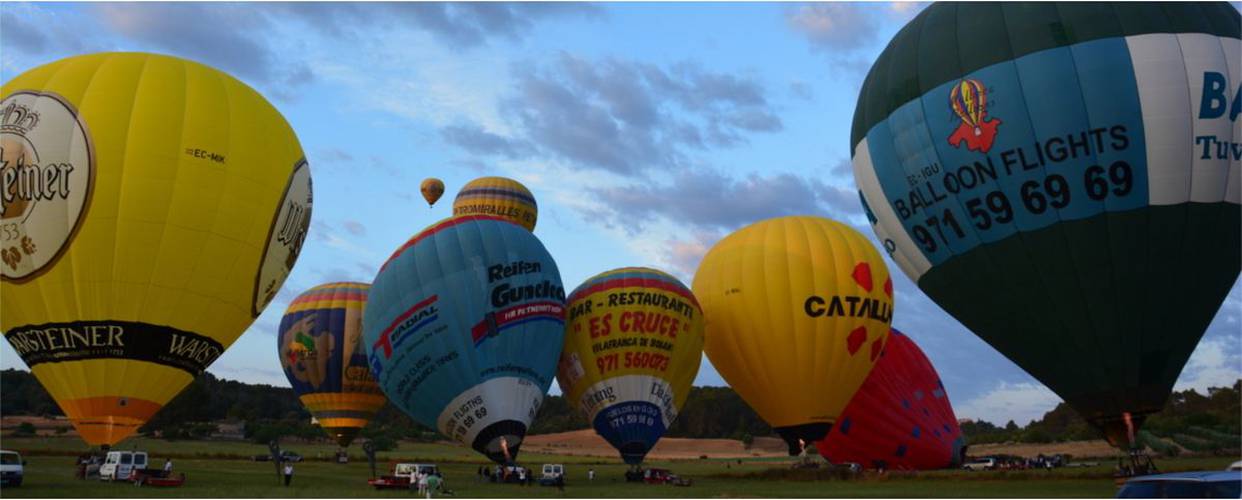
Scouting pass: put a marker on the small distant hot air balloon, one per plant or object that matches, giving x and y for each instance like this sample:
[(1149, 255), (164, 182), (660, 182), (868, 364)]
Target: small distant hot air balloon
[(633, 344), (900, 418), (463, 328), (797, 311), (432, 189), (497, 197), (1068, 194), (320, 349), (153, 206)]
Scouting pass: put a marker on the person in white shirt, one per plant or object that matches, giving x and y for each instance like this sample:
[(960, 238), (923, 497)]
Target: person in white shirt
[(288, 473), (591, 474), (168, 465)]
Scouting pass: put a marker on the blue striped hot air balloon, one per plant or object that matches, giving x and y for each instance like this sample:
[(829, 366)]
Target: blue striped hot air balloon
[(1064, 179)]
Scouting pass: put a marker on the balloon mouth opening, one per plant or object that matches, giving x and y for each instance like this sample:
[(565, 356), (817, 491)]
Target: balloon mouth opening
[(798, 437), (634, 452), (1121, 431), (500, 441)]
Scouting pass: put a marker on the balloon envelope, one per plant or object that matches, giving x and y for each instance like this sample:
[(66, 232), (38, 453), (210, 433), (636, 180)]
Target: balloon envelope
[(320, 349), (432, 190), (498, 197), (797, 311), (633, 345), (152, 208), (463, 329), (900, 418), (1083, 216)]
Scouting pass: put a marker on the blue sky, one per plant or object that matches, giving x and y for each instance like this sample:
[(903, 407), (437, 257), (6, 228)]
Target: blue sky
[(646, 131)]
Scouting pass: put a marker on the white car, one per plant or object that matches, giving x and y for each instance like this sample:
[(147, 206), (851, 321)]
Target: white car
[(550, 473), (1235, 466), (12, 468), (120, 464), (980, 464)]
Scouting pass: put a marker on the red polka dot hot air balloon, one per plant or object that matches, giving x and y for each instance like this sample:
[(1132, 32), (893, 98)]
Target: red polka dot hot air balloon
[(900, 418)]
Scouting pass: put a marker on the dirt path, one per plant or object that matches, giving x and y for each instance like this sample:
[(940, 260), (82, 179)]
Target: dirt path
[(587, 443)]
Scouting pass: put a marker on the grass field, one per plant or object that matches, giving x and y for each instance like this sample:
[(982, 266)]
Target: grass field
[(49, 473)]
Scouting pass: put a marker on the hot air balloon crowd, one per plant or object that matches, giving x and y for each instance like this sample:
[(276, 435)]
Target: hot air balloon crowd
[(1056, 192)]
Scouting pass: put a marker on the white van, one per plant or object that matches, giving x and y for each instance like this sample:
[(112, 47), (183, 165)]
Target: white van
[(120, 464), (550, 473), (11, 468)]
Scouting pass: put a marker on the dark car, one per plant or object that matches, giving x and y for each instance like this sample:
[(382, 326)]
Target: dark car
[(1206, 484), (286, 456)]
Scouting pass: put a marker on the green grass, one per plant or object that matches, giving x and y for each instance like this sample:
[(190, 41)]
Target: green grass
[(49, 474)]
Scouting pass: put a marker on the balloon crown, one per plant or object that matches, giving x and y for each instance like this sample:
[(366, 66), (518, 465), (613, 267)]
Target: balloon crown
[(18, 119)]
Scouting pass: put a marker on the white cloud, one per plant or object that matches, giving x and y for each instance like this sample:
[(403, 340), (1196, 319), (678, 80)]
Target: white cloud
[(1020, 402), (1216, 362)]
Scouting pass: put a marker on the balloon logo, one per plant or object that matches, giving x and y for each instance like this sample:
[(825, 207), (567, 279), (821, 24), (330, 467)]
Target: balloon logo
[(900, 418), (432, 190), (1101, 230), (463, 329), (969, 100), (150, 208), (632, 348), (320, 344), (497, 197), (791, 305)]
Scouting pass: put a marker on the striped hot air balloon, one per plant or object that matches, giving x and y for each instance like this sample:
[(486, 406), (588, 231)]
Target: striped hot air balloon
[(320, 349), (633, 344), (497, 197), (1085, 221)]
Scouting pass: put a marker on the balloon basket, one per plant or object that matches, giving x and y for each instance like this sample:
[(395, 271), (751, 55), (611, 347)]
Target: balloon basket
[(1136, 463)]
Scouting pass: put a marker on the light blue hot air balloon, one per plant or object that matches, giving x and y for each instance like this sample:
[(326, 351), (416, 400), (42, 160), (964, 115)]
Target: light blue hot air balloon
[(464, 327)]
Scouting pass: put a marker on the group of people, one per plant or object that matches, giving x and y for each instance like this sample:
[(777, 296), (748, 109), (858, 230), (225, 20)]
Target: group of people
[(505, 474), (427, 483)]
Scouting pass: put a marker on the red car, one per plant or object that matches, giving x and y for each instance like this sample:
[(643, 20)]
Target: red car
[(663, 476)]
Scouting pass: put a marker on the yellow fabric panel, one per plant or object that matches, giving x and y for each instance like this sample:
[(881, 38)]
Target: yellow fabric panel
[(755, 286), (687, 347), (168, 237)]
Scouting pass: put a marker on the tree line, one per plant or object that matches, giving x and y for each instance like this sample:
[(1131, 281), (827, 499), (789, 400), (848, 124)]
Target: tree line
[(1190, 420)]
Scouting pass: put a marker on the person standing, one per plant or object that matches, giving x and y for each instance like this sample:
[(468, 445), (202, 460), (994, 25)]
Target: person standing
[(167, 466), (433, 483), (288, 473), (591, 474)]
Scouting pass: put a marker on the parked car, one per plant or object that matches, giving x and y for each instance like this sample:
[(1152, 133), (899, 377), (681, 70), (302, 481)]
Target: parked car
[(664, 476), (286, 456), (988, 463), (1203, 484), (12, 468), (120, 464), (550, 473), (401, 476), (1235, 466)]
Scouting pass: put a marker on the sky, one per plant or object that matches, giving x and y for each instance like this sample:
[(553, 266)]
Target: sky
[(646, 131)]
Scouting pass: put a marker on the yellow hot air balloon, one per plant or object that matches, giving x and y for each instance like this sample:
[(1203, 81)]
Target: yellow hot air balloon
[(797, 311), (152, 207), (432, 189), (633, 345), (497, 196)]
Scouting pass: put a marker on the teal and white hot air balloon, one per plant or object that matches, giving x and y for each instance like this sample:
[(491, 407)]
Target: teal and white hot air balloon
[(464, 326), (1063, 178)]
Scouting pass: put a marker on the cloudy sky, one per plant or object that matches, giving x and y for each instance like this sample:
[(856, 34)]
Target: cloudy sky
[(646, 131)]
